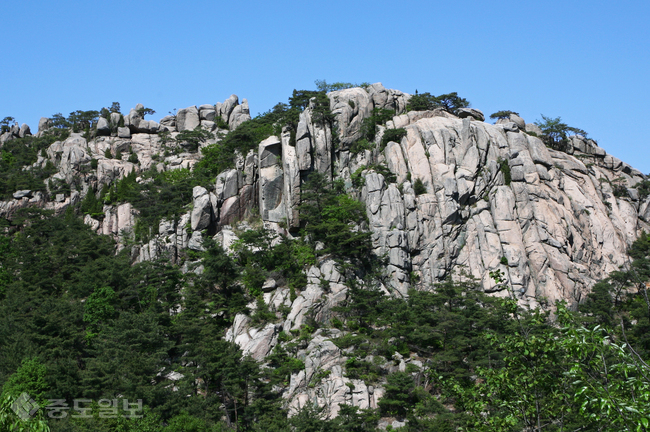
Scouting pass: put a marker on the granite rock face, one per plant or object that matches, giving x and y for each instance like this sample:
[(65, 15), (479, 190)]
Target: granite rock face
[(454, 196)]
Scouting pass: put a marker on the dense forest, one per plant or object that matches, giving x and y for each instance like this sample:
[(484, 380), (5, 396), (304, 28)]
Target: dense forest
[(82, 322)]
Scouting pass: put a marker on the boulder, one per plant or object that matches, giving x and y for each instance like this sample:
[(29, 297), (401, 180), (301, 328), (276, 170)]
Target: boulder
[(24, 131), (207, 112), (169, 120), (44, 124), (187, 119), (521, 124), (470, 113), (123, 132), (133, 119), (103, 128), (533, 128), (22, 194), (202, 215), (225, 109), (115, 119), (239, 115)]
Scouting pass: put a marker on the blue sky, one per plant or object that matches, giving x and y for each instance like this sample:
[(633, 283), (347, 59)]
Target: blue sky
[(586, 61)]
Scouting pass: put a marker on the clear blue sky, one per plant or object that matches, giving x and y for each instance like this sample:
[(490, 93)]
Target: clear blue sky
[(586, 61)]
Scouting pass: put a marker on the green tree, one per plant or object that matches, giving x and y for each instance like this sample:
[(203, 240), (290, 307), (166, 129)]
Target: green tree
[(449, 102), (503, 114), (192, 139), (332, 217), (556, 132), (399, 397)]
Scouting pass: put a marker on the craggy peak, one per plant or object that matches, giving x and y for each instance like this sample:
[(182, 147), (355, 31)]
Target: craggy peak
[(355, 259)]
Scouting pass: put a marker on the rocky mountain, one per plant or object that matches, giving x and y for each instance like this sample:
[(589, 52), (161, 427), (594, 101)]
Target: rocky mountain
[(447, 195)]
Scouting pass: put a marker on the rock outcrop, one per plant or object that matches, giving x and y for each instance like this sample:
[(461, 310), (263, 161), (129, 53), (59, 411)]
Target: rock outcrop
[(455, 196)]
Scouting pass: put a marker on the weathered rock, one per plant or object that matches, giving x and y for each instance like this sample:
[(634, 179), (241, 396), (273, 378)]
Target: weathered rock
[(103, 128), (22, 194), (187, 119), (44, 124), (532, 127), (201, 209), (239, 115), (24, 131), (123, 132), (470, 113), (207, 112), (271, 180), (521, 124), (196, 242), (225, 109), (169, 120)]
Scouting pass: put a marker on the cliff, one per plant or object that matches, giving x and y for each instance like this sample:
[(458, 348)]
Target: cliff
[(451, 196)]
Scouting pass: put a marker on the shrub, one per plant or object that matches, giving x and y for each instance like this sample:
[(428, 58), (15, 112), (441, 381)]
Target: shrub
[(504, 114), (505, 169), (620, 191), (323, 86), (418, 187), (449, 102), (379, 116), (192, 139), (556, 132), (108, 154), (644, 189), (395, 135), (361, 145)]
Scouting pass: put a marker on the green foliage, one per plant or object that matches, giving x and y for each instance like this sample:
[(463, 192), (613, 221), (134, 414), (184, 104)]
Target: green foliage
[(90, 205), (192, 139), (399, 398), (359, 369), (9, 421), (6, 123), (361, 146), (504, 167), (382, 169), (379, 116), (324, 86), (644, 189), (98, 308), (221, 156), (108, 154), (395, 135), (556, 132), (144, 111), (16, 156), (29, 378), (620, 191), (159, 196), (332, 217), (574, 377), (449, 102), (418, 187), (504, 114), (115, 107)]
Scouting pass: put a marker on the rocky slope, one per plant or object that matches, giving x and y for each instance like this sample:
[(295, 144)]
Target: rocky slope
[(496, 198)]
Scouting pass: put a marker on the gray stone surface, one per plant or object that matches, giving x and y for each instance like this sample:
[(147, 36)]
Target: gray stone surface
[(187, 119)]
